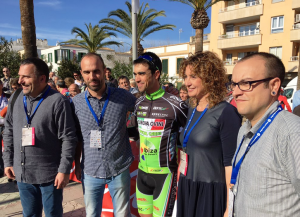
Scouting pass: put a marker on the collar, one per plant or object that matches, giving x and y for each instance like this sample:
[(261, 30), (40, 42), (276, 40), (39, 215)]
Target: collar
[(38, 96), (103, 96), (158, 94), (250, 131)]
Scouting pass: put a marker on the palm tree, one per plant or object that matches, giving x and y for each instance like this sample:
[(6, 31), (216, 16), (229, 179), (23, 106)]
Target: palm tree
[(28, 28), (145, 23), (93, 40), (199, 20)]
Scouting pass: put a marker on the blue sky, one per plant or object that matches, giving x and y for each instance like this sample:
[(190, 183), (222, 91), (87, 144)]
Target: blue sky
[(54, 19)]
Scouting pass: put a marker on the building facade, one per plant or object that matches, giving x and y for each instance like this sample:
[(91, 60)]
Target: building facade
[(172, 55), (56, 54), (241, 27), (40, 44)]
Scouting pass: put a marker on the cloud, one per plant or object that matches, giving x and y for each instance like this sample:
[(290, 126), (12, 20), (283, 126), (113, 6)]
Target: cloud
[(50, 3), (9, 26)]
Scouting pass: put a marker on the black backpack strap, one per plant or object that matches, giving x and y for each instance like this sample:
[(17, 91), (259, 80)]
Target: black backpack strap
[(17, 93)]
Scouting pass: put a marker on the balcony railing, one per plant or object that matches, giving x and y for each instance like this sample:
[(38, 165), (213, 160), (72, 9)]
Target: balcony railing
[(296, 26), (240, 34), (233, 7), (294, 58), (230, 62)]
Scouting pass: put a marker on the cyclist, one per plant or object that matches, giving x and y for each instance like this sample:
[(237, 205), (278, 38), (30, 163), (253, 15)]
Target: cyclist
[(158, 115)]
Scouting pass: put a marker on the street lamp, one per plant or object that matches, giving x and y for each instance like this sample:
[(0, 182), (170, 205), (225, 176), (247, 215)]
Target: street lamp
[(135, 4)]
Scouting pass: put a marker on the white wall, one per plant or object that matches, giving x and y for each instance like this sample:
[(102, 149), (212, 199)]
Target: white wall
[(104, 55), (173, 63)]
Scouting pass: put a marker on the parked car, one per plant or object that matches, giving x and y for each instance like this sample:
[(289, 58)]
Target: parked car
[(290, 90)]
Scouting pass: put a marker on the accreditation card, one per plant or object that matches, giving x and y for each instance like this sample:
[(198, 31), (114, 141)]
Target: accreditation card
[(95, 139), (183, 162), (28, 136)]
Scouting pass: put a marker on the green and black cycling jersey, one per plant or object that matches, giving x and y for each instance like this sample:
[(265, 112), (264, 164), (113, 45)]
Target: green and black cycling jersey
[(159, 117)]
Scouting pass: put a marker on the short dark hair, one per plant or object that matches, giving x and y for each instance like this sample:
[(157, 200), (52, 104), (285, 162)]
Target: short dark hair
[(61, 84), (93, 55), (109, 69), (274, 65), (152, 60), (123, 77), (41, 67), (51, 82), (183, 87), (76, 72)]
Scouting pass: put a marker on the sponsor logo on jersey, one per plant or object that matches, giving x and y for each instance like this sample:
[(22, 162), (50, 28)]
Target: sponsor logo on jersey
[(159, 115), (160, 108), (147, 124), (157, 170), (151, 133), (143, 209), (156, 208), (143, 107), (148, 148), (142, 199), (144, 114)]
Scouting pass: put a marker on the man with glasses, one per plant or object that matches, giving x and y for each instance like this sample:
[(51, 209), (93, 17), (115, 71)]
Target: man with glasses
[(265, 175), (6, 79)]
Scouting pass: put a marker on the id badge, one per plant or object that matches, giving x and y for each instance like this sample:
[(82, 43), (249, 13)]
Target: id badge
[(183, 162), (231, 201), (95, 139), (28, 136)]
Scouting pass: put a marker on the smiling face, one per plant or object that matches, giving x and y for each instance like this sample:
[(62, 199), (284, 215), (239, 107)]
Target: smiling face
[(193, 83), (253, 103), (183, 95), (31, 83), (124, 84), (146, 81), (92, 72)]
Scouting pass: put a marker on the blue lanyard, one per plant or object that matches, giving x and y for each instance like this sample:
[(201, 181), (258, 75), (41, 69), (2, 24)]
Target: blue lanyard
[(29, 118), (103, 109), (255, 138), (187, 136)]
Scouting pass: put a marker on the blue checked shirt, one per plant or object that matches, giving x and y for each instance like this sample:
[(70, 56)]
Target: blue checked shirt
[(115, 156)]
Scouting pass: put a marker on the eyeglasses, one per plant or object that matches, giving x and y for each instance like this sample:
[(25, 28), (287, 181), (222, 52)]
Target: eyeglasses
[(149, 59), (245, 85)]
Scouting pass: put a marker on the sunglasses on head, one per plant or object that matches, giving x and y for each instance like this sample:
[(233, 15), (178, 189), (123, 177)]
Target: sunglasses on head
[(149, 59)]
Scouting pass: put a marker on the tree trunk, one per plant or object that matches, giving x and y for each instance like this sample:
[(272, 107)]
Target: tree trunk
[(199, 40), (140, 49), (298, 80), (28, 28)]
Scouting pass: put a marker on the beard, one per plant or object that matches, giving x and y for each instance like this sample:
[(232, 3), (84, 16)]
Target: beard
[(99, 85)]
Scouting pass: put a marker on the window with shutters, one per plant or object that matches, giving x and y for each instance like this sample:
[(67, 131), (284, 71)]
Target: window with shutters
[(50, 57), (275, 1), (165, 66), (277, 24), (277, 51), (80, 55), (42, 57), (179, 60)]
